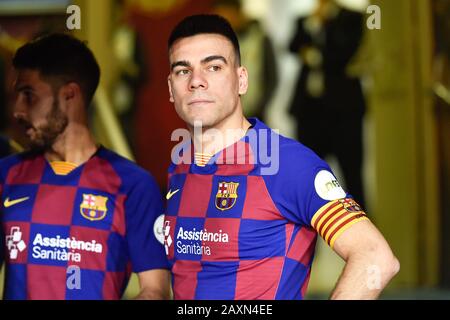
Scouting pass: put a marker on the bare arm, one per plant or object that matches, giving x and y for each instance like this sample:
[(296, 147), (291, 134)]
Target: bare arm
[(370, 263), (154, 285)]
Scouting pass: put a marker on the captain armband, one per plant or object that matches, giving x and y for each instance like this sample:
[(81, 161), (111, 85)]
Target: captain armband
[(332, 219)]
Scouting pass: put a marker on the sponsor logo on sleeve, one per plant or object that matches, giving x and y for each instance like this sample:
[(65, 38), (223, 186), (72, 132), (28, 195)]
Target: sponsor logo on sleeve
[(327, 186), (158, 229)]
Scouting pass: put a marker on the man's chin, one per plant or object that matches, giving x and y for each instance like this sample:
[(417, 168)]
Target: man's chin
[(202, 122), (40, 145)]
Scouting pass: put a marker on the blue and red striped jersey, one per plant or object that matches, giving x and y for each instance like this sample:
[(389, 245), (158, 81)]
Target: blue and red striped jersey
[(244, 226), (77, 236)]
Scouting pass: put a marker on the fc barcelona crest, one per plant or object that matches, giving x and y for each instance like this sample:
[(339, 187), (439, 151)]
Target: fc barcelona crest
[(226, 195), (350, 205), (93, 207)]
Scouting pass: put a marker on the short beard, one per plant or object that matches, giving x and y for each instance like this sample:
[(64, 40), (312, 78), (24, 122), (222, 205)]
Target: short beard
[(46, 135)]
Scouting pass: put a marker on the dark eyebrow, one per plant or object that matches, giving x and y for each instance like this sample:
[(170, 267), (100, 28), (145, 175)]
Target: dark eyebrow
[(212, 58), (182, 63), (23, 88)]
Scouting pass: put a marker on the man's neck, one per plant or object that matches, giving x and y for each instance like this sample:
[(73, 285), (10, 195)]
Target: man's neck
[(212, 140), (76, 145)]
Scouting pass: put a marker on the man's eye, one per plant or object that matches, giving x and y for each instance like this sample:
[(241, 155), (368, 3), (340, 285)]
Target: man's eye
[(28, 96), (182, 72), (214, 68)]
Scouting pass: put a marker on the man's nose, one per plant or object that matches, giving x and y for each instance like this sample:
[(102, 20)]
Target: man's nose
[(197, 81), (19, 110)]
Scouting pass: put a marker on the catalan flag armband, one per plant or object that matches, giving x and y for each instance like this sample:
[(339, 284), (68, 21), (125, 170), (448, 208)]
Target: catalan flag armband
[(332, 219)]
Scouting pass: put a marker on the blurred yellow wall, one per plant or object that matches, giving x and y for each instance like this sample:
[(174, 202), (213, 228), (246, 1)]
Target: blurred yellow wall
[(406, 208)]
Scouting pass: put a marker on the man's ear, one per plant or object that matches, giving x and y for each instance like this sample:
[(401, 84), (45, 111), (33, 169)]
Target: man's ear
[(170, 90), (243, 80), (70, 91)]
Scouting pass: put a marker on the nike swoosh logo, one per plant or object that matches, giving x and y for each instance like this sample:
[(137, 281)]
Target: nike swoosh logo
[(9, 203), (170, 194)]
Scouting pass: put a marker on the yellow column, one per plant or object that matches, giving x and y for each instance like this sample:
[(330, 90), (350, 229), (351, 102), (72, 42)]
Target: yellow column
[(96, 28), (406, 205)]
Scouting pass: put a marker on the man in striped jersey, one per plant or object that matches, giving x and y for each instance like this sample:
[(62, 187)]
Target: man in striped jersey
[(245, 204), (76, 218)]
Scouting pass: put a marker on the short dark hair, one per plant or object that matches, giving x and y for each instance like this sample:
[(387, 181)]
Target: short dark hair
[(61, 57), (205, 23)]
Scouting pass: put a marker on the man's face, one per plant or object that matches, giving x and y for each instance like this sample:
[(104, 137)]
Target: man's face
[(37, 109), (205, 80)]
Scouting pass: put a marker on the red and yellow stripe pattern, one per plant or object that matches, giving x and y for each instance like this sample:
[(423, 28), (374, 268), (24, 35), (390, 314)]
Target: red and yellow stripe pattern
[(62, 168), (332, 219), (201, 159)]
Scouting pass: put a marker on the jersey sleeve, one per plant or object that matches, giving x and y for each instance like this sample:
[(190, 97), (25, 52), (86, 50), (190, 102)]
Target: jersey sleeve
[(327, 207), (308, 193), (144, 210)]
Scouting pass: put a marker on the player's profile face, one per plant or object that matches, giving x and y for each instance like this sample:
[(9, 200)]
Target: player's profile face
[(205, 80), (37, 109)]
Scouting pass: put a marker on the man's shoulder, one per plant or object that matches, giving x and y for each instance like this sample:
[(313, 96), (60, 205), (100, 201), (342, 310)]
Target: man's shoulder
[(7, 162), (292, 154), (127, 169), (295, 155), (293, 148)]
